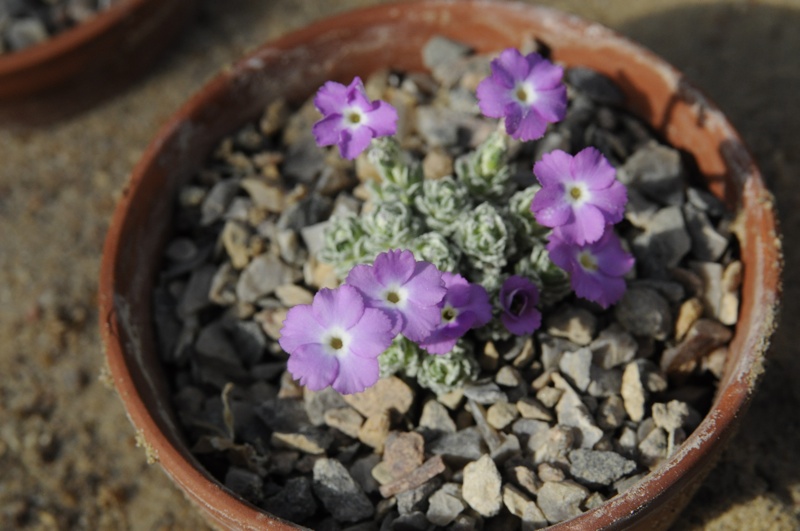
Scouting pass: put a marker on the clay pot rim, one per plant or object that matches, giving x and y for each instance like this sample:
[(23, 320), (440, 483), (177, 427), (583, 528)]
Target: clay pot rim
[(70, 39), (679, 468)]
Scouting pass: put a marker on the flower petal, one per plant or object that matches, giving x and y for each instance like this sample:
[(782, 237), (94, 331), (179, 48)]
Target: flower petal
[(372, 334), (327, 131), (300, 328), (587, 226), (512, 62), (611, 202), (313, 367), (553, 169), (549, 207), (354, 140), (420, 321), (591, 167), (340, 307), (331, 98), (531, 127), (425, 287), (493, 98), (382, 119), (551, 104), (544, 75), (394, 267), (356, 374), (611, 258)]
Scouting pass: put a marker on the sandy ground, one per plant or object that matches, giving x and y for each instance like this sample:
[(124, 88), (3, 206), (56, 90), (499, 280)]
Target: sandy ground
[(67, 452)]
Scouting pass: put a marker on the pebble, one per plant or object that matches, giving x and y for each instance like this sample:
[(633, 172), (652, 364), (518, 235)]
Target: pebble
[(573, 323), (420, 475), (595, 85), (375, 429), (416, 499), (571, 411), (25, 32), (531, 408), (482, 486), (613, 347), (643, 312), (339, 493), (389, 394), (345, 419), (294, 501), (656, 171), (262, 276), (663, 244), (704, 336), (445, 504), (484, 393), (403, 452), (216, 201), (576, 366), (598, 468), (435, 419), (561, 500), (707, 243), (463, 445), (310, 440), (690, 311)]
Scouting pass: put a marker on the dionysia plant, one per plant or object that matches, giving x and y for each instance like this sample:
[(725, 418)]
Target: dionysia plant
[(428, 262)]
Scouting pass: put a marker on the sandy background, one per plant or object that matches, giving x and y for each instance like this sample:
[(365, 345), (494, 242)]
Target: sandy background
[(68, 458)]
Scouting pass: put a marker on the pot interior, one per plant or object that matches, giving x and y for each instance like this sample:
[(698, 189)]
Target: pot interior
[(392, 36)]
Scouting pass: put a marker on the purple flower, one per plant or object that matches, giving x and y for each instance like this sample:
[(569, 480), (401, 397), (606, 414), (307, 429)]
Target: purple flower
[(527, 91), (336, 341), (464, 306), (409, 291), (349, 119), (596, 269), (518, 298), (580, 195)]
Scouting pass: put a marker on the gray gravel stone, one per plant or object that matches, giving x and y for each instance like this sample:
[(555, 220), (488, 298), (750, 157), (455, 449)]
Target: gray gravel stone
[(262, 275), (643, 312), (662, 245), (576, 366), (464, 445), (445, 504), (598, 468), (294, 501), (339, 493), (656, 171)]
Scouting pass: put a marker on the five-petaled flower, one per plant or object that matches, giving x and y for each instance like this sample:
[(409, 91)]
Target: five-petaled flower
[(580, 195), (518, 299), (525, 90), (350, 119), (465, 306), (408, 290), (595, 269), (336, 341)]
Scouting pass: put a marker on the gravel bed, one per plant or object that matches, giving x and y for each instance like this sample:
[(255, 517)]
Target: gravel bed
[(554, 423)]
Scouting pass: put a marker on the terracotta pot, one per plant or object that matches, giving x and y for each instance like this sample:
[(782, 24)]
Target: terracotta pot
[(87, 63), (358, 43)]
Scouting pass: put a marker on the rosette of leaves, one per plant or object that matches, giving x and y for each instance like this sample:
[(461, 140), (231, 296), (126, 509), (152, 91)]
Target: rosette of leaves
[(389, 225), (442, 374), (402, 356), (485, 171), (401, 178), (442, 202), (527, 231), (485, 238), (552, 281), (344, 244), (434, 248)]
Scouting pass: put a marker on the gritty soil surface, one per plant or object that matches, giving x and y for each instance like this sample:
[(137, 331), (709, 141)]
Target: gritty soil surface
[(68, 454)]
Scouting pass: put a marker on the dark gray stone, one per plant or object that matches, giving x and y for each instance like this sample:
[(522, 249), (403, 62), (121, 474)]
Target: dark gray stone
[(339, 493), (598, 468)]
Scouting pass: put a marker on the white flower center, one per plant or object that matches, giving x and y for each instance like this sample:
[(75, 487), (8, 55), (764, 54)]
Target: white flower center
[(353, 117), (524, 94), (587, 261), (449, 314), (335, 341), (576, 193), (395, 296)]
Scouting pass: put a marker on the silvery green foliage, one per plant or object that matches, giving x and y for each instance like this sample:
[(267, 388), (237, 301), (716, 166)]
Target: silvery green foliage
[(344, 244), (402, 356), (485, 171), (390, 225), (442, 201), (484, 237), (433, 247), (519, 206), (552, 281), (442, 374), (401, 178)]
